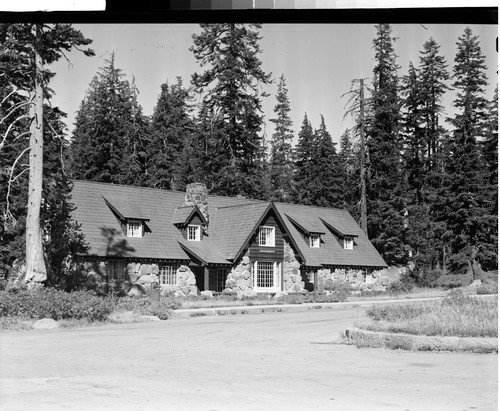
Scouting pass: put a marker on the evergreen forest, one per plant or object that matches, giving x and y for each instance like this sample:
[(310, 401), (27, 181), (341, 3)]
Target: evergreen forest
[(421, 182)]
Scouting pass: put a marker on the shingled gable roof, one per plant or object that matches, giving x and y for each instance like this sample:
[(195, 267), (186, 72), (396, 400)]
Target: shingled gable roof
[(103, 231), (232, 223), (235, 225), (182, 215), (125, 210), (331, 252), (306, 223)]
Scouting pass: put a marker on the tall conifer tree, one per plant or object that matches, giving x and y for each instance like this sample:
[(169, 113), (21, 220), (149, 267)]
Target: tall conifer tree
[(109, 131), (281, 161), (26, 51), (232, 106), (171, 152), (386, 203), (467, 203)]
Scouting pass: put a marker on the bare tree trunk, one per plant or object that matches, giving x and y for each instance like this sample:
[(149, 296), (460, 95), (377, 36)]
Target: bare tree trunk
[(36, 271)]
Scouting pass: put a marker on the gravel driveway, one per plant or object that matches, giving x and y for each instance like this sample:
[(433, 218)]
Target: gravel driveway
[(272, 361)]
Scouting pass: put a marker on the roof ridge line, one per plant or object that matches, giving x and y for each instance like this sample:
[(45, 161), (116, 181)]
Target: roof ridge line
[(259, 202), (312, 205)]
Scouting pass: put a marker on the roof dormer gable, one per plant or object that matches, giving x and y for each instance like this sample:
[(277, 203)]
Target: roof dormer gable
[(183, 216)]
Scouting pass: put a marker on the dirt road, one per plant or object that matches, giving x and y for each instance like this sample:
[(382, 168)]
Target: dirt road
[(273, 361)]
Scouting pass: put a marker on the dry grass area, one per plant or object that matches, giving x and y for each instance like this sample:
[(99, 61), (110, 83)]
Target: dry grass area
[(459, 315)]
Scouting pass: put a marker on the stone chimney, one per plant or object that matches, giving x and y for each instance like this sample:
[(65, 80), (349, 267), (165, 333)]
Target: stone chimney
[(197, 194)]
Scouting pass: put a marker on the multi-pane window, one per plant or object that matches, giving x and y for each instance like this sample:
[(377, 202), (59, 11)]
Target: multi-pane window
[(134, 228), (314, 240), (167, 274), (116, 269), (265, 274), (266, 236), (193, 233), (348, 243)]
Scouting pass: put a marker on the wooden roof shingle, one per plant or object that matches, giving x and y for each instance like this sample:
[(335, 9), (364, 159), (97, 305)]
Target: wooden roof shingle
[(232, 222)]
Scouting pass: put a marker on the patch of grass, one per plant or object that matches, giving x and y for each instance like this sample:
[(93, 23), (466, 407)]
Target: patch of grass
[(459, 316)]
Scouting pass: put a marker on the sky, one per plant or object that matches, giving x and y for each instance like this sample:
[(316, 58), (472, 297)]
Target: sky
[(319, 62)]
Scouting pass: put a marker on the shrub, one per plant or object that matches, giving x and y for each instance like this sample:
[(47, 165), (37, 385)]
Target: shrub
[(429, 277), (454, 280), (55, 304), (487, 289), (400, 286), (144, 306), (458, 315)]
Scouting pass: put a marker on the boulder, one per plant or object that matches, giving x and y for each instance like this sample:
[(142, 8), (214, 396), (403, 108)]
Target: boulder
[(242, 284), (279, 294), (145, 270), (136, 290), (46, 324), (207, 294), (248, 293)]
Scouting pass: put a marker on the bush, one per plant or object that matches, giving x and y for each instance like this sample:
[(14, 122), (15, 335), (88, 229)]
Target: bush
[(144, 306), (55, 304), (454, 280), (428, 277), (487, 289)]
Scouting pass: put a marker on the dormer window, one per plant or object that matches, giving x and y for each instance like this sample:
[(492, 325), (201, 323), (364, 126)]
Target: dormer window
[(314, 240), (348, 243), (266, 236), (134, 228), (194, 233)]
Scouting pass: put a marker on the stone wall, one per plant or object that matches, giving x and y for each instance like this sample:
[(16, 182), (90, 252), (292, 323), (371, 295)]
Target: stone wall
[(186, 282), (239, 280), (374, 281), (292, 279)]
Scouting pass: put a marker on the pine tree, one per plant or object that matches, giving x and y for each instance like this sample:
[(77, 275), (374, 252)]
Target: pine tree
[(171, 151), (423, 139), (304, 178), (281, 161), (232, 106), (386, 203), (467, 204), (109, 129), (327, 189), (349, 163), (26, 51)]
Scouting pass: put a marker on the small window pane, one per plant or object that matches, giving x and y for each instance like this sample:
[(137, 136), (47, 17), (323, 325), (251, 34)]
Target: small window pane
[(314, 240), (194, 233), (168, 274), (348, 243), (266, 236), (134, 228)]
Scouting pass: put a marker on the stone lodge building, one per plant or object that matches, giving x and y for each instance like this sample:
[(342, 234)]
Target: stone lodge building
[(193, 241)]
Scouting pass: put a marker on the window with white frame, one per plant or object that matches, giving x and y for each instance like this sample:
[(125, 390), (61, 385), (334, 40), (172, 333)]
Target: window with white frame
[(194, 232), (134, 228), (116, 269), (266, 236), (314, 240), (266, 275), (348, 243), (167, 274)]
